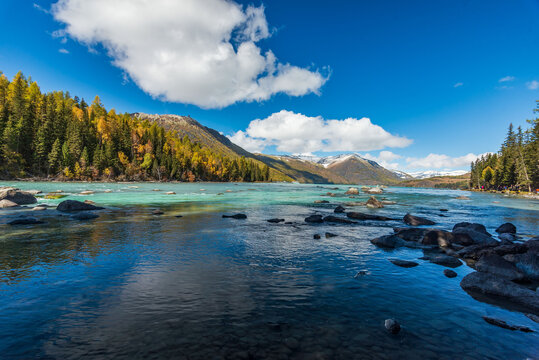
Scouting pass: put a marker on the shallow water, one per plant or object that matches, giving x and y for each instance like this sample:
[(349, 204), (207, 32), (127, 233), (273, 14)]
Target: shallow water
[(134, 285)]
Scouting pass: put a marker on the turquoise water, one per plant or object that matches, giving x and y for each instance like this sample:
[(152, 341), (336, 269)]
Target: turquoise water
[(134, 285)]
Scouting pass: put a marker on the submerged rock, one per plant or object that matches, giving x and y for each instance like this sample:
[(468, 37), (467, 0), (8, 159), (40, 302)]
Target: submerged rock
[(316, 236), (388, 241), (416, 220), (444, 260), (339, 210), (84, 216), (450, 273), (392, 326), (374, 203), (403, 263), (74, 205), (503, 324), (17, 196), (490, 285), (275, 220), (336, 219), (236, 216), (330, 235), (507, 228), (314, 219), (363, 216), (26, 220)]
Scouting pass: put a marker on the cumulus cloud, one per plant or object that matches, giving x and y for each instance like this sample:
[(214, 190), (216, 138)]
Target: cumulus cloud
[(385, 158), (201, 52), (506, 79), (441, 161), (297, 133), (532, 85)]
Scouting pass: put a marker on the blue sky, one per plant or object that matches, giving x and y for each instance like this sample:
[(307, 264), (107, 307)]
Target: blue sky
[(440, 80)]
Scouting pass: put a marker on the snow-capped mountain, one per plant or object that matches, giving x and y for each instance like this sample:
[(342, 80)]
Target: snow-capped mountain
[(402, 174), (432, 173)]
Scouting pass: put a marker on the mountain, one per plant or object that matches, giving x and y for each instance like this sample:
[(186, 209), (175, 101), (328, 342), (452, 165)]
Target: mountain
[(442, 182), (435, 173)]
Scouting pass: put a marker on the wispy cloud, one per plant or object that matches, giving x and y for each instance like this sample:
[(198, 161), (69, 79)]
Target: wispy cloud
[(63, 51), (459, 84), (506, 79), (532, 85), (40, 8)]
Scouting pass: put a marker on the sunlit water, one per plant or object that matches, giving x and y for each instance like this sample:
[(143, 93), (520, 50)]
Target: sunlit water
[(134, 285)]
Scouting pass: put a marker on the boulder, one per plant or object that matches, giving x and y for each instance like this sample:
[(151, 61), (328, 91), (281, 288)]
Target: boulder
[(507, 238), (450, 273), (471, 226), (503, 324), (506, 228), (336, 219), (39, 208), (527, 264), (411, 234), (275, 220), (352, 191), (74, 205), (496, 265), (363, 216), (403, 263), (416, 220), (25, 220), (388, 241), (500, 288), (374, 203), (170, 193), (474, 252), (316, 236), (236, 216), (339, 210), (34, 192), (314, 219), (468, 236), (17, 196), (437, 237), (330, 235), (4, 204), (445, 260), (82, 215), (392, 326), (373, 190)]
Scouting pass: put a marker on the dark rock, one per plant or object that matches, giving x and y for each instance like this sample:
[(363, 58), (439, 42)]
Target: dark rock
[(330, 235), (336, 219), (468, 236), (503, 324), (157, 212), (507, 238), (17, 196), (392, 326), (445, 260), (339, 210), (178, 216), (275, 220), (533, 317), (360, 273), (533, 245), (403, 263), (374, 203), (527, 263), (363, 216), (507, 228), (84, 216), (437, 237), (411, 234), (496, 265), (450, 273), (314, 219), (444, 210), (490, 285), (388, 241), (321, 202), (236, 216), (316, 236), (25, 221), (471, 226), (416, 220), (74, 205)]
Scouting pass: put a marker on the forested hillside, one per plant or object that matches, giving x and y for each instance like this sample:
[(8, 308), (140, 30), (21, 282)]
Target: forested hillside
[(515, 166), (58, 136)]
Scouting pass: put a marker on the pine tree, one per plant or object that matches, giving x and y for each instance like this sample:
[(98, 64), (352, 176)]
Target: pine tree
[(55, 156)]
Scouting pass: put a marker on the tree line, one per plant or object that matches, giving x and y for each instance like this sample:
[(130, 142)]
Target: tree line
[(515, 166), (54, 135)]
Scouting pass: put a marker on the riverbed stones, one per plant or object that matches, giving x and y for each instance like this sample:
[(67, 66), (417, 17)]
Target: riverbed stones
[(403, 263), (83, 215), (74, 205), (363, 216), (236, 216), (4, 204), (330, 235), (416, 220), (392, 326), (352, 191), (450, 273), (339, 210), (444, 260), (315, 219), (25, 220), (506, 228), (374, 203), (17, 196), (339, 220), (491, 285), (275, 220)]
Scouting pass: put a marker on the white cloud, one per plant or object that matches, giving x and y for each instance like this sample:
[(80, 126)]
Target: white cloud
[(506, 79), (63, 51), (201, 52), (297, 133), (459, 84), (441, 161), (40, 8), (385, 159), (532, 85)]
